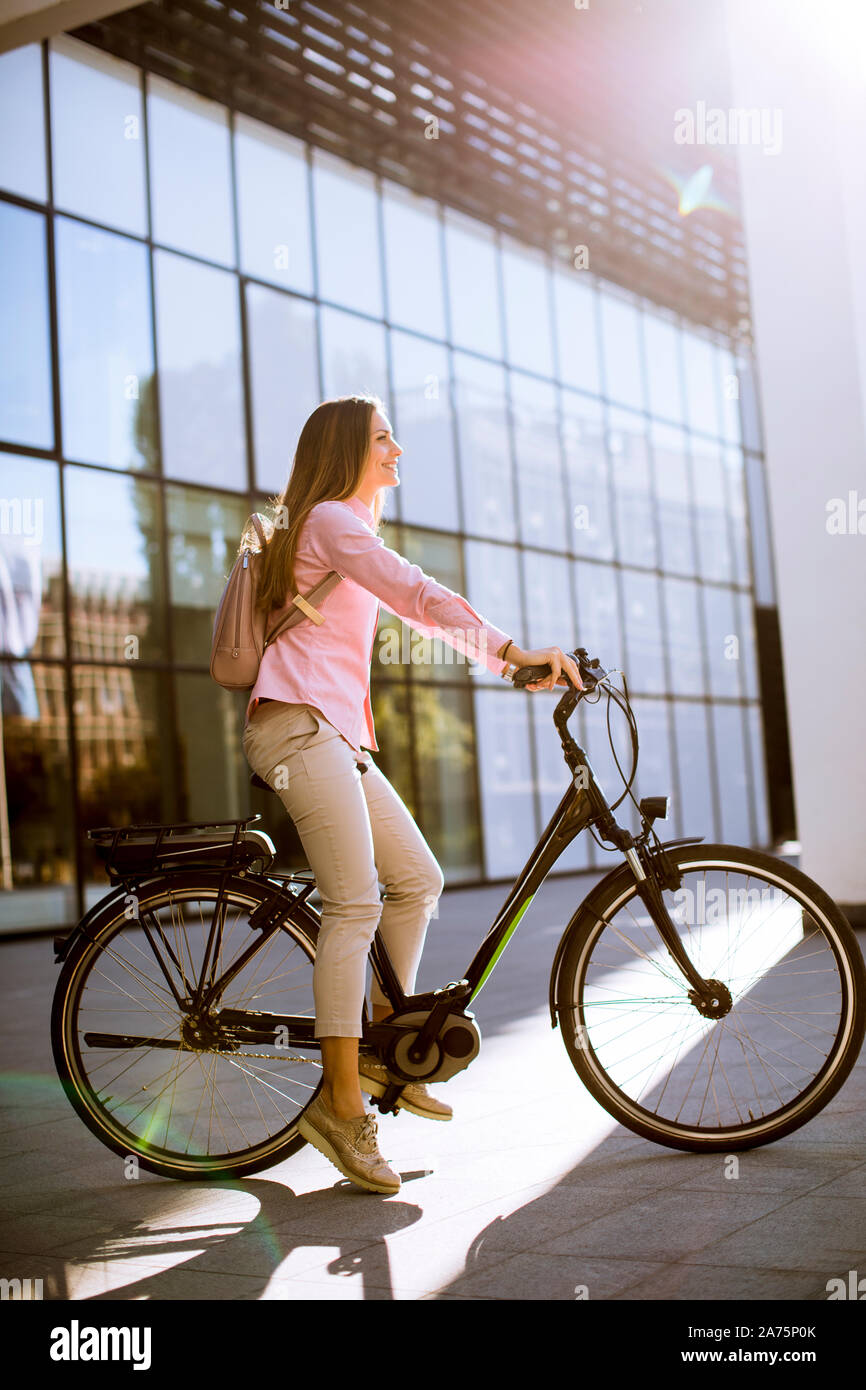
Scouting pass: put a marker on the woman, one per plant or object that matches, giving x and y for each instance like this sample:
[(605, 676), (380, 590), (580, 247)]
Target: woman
[(310, 735)]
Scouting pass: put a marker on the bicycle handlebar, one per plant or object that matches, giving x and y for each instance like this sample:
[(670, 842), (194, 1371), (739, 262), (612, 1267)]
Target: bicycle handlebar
[(591, 672)]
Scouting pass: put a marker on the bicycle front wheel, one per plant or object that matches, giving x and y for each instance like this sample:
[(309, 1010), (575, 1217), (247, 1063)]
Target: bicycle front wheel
[(795, 1007), (149, 1078)]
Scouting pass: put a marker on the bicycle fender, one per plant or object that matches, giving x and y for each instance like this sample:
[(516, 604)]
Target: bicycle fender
[(587, 909)]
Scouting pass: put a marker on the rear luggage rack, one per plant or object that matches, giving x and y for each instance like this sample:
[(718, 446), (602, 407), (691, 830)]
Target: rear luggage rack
[(145, 849)]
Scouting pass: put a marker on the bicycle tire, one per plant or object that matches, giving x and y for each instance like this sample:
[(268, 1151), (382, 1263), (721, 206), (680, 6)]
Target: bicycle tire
[(102, 949), (591, 977)]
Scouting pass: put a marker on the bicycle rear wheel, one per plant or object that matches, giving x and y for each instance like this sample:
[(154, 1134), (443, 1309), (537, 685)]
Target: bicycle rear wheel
[(199, 1112), (789, 1038)]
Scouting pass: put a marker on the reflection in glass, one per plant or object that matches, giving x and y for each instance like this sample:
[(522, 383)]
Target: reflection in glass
[(621, 351), (213, 774), (685, 644), (553, 774), (473, 291), (25, 354), (739, 518), (190, 171), (273, 205), (758, 781), (694, 807), (734, 792), (654, 769), (598, 620), (353, 355), (126, 762), (711, 511), (730, 394), (492, 588), (421, 417), (106, 351), (284, 378), (444, 750), (204, 530), (526, 289), (587, 476), (37, 799), (748, 646), (576, 331), (390, 701), (643, 632), (97, 135), (662, 354), (114, 552), (347, 234), (200, 384), (548, 599), (31, 573), (505, 773), (632, 486), (703, 387), (408, 653), (723, 640), (485, 450), (413, 258), (539, 462), (22, 160), (671, 470)]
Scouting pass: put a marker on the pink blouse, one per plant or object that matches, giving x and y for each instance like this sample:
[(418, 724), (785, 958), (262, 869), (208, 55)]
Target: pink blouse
[(328, 665)]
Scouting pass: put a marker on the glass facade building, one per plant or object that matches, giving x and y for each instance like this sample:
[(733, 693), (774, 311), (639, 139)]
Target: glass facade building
[(181, 285)]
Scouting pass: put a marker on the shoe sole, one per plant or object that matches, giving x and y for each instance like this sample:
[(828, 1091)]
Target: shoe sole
[(317, 1139), (375, 1088)]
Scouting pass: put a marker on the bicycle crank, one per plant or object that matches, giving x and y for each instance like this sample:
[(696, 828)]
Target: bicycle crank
[(455, 1045)]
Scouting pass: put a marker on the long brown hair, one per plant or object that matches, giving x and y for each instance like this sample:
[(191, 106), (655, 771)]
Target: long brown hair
[(328, 465)]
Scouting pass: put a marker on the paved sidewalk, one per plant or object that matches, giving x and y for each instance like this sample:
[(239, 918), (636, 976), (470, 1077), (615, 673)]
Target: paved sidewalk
[(531, 1192)]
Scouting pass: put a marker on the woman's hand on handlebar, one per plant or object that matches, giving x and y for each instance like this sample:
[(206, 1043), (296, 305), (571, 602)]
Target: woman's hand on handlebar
[(553, 657)]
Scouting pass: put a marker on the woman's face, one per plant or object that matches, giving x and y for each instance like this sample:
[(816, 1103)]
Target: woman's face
[(381, 467)]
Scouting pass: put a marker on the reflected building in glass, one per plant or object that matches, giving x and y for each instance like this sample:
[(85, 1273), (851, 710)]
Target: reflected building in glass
[(181, 285)]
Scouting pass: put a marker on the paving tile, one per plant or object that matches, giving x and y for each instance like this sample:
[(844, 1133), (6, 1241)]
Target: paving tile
[(720, 1282), (530, 1277), (826, 1235)]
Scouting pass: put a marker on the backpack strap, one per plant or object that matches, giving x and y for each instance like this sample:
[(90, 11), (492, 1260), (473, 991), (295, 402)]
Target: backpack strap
[(304, 606)]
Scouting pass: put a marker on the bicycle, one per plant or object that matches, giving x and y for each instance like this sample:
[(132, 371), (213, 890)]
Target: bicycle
[(702, 1014)]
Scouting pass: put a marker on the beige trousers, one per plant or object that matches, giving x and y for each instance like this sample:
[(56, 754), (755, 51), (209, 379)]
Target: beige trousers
[(355, 831)]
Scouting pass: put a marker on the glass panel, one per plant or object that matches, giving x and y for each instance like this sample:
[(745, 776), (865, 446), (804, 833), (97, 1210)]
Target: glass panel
[(97, 135), (576, 332), (204, 532), (654, 770), (114, 549), (528, 331), (440, 557), (548, 601), (390, 703), (214, 775), (748, 646), (621, 350), (671, 470), (598, 619), (281, 332), (37, 801), (200, 384), (734, 791), (730, 382), (25, 354), (485, 450), (413, 253), (758, 785), (759, 527), (492, 588), (505, 770), (31, 561), (353, 355), (190, 171), (664, 373), (347, 234), (711, 510), (632, 482), (739, 520), (587, 475), (723, 645), (694, 808), (601, 758), (539, 462), (445, 758), (685, 642), (22, 159), (554, 774), (703, 387), (273, 205), (126, 762), (395, 643), (106, 348), (421, 405), (646, 668), (473, 291), (750, 412)]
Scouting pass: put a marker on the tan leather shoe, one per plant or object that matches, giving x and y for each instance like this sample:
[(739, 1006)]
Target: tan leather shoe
[(374, 1077), (351, 1145)]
